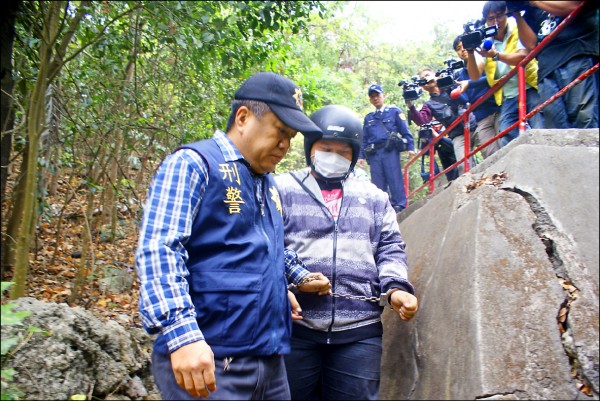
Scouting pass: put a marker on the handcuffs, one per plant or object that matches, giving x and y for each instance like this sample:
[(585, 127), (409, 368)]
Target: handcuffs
[(384, 300)]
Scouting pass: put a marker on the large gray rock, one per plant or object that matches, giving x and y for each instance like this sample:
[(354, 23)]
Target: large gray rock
[(78, 354), (495, 258)]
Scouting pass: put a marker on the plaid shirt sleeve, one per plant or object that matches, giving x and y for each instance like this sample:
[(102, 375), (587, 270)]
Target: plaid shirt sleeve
[(173, 201), (295, 271)]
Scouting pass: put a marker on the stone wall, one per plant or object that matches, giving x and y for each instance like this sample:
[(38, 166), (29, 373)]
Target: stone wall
[(76, 354), (505, 264)]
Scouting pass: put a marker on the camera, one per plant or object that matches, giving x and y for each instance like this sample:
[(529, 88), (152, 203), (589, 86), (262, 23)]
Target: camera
[(475, 33), (426, 132), (448, 75), (412, 90)]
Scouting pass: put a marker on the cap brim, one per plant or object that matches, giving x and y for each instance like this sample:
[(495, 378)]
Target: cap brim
[(375, 90), (297, 120)]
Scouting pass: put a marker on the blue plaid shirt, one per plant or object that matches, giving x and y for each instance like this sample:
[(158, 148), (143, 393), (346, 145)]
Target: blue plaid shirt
[(174, 198)]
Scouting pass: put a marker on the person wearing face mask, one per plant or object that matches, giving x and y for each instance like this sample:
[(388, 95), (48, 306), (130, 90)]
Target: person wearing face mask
[(345, 228)]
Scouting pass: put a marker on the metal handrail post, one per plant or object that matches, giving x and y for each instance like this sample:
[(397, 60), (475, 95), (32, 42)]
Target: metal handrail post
[(467, 140), (522, 98)]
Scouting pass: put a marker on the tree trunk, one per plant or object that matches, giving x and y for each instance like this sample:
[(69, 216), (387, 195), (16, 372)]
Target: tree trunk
[(87, 254), (12, 225), (36, 118), (51, 61), (7, 35), (109, 212)]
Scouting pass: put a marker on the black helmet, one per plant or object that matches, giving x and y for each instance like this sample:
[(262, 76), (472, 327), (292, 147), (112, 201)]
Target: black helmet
[(338, 123)]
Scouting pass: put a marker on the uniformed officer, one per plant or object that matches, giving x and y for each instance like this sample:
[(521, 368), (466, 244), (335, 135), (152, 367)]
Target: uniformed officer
[(386, 169)]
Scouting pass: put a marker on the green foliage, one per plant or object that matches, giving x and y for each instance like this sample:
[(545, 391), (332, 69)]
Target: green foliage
[(340, 61), (10, 317), (139, 78), (191, 56)]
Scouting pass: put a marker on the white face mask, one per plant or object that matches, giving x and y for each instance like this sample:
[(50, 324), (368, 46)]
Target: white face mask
[(331, 165)]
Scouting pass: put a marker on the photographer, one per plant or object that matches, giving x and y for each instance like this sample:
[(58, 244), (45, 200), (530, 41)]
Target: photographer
[(444, 109), (572, 52), (487, 113), (506, 52), (385, 134)]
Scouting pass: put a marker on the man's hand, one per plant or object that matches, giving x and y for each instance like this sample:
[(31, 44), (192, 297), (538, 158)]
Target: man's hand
[(487, 53), (194, 369), (315, 282), (296, 309), (404, 303), (360, 163)]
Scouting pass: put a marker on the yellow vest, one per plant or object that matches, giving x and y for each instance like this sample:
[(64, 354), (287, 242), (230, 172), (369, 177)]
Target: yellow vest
[(531, 69)]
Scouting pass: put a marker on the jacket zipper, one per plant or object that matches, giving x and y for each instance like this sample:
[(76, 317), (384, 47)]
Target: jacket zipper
[(261, 198)]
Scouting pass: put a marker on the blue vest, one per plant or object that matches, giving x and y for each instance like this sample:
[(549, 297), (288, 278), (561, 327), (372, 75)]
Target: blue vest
[(236, 261)]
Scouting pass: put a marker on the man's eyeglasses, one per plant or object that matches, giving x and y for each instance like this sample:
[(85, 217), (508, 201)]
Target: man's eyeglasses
[(497, 17)]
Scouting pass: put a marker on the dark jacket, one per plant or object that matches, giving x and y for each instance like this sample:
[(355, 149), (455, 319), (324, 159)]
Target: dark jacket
[(442, 108), (474, 91)]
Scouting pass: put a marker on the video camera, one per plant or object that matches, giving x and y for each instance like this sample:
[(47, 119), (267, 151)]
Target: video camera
[(412, 90), (475, 33), (426, 132), (447, 76)]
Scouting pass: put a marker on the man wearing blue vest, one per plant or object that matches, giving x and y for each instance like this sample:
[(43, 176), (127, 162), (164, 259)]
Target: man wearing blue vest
[(381, 153), (211, 258)]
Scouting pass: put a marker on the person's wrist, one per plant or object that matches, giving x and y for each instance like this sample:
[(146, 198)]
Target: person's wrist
[(388, 297), (496, 56)]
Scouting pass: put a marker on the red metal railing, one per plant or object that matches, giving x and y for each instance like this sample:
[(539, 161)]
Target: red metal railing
[(522, 109)]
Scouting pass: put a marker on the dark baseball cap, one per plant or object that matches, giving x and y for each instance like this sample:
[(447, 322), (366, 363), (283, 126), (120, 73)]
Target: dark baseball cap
[(375, 88), (284, 99)]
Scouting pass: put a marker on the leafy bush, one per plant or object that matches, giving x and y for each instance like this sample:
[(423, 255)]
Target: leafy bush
[(9, 318)]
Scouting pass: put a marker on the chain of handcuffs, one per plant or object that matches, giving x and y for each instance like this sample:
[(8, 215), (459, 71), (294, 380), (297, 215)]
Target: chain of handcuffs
[(227, 361), (338, 295)]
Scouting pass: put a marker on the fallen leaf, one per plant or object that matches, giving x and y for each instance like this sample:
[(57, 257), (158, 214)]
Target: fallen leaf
[(562, 315)]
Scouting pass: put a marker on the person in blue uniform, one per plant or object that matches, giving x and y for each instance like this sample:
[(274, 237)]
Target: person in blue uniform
[(211, 261), (384, 161)]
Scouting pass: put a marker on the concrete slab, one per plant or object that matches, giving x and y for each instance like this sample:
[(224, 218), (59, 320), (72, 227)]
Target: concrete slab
[(489, 256)]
